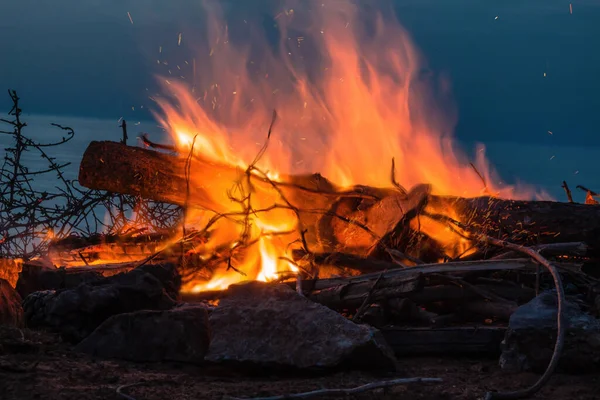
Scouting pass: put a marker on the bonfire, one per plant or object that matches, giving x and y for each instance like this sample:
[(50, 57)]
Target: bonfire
[(308, 218)]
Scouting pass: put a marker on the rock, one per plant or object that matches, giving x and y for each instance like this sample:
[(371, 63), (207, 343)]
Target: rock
[(531, 336), (168, 275), (181, 334), (38, 277), (76, 312), (11, 311), (266, 325)]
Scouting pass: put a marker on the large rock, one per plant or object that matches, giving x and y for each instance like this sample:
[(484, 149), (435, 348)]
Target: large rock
[(531, 335), (76, 312), (267, 325), (181, 334), (11, 311)]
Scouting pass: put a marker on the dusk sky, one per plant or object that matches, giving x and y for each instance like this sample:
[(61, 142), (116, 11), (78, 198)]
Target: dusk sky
[(518, 69), (85, 58)]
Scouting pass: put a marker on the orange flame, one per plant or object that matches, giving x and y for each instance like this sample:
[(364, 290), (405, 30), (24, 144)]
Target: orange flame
[(351, 94)]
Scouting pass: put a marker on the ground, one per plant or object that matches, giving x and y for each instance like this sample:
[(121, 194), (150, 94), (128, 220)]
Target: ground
[(35, 365)]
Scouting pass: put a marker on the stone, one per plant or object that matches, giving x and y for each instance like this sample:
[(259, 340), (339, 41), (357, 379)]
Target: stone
[(529, 341), (11, 311), (271, 326), (35, 277), (181, 334), (76, 312)]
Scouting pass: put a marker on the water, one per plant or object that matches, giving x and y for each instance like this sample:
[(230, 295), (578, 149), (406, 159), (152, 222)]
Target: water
[(544, 166), (519, 71)]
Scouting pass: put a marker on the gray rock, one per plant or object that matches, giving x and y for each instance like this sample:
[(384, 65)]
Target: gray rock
[(76, 312), (265, 325), (11, 311), (531, 336), (181, 334)]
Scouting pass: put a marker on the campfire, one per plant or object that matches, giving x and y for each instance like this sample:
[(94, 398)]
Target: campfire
[(297, 190)]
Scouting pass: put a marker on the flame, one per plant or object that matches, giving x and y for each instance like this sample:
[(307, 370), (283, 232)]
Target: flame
[(352, 92)]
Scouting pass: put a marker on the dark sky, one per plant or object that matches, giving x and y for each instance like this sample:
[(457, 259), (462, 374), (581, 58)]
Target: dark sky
[(85, 58)]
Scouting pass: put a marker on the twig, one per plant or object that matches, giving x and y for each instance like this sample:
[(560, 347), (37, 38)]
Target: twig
[(144, 138), (485, 186), (342, 392), (556, 249), (586, 190), (518, 394), (187, 169), (567, 191), (363, 307), (126, 396), (393, 178), (124, 129), (83, 258)]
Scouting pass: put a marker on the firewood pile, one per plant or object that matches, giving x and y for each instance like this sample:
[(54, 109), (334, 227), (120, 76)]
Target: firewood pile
[(380, 273)]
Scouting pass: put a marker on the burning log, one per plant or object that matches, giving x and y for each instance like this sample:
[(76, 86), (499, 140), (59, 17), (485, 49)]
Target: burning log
[(119, 168), (338, 220)]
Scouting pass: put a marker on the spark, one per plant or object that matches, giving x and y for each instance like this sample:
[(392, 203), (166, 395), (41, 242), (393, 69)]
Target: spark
[(160, 49), (179, 40), (571, 8), (130, 19), (550, 132), (552, 158), (496, 17)]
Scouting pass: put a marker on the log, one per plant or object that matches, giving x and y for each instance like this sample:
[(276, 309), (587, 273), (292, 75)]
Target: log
[(528, 223), (454, 268), (119, 168), (400, 283), (352, 295)]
